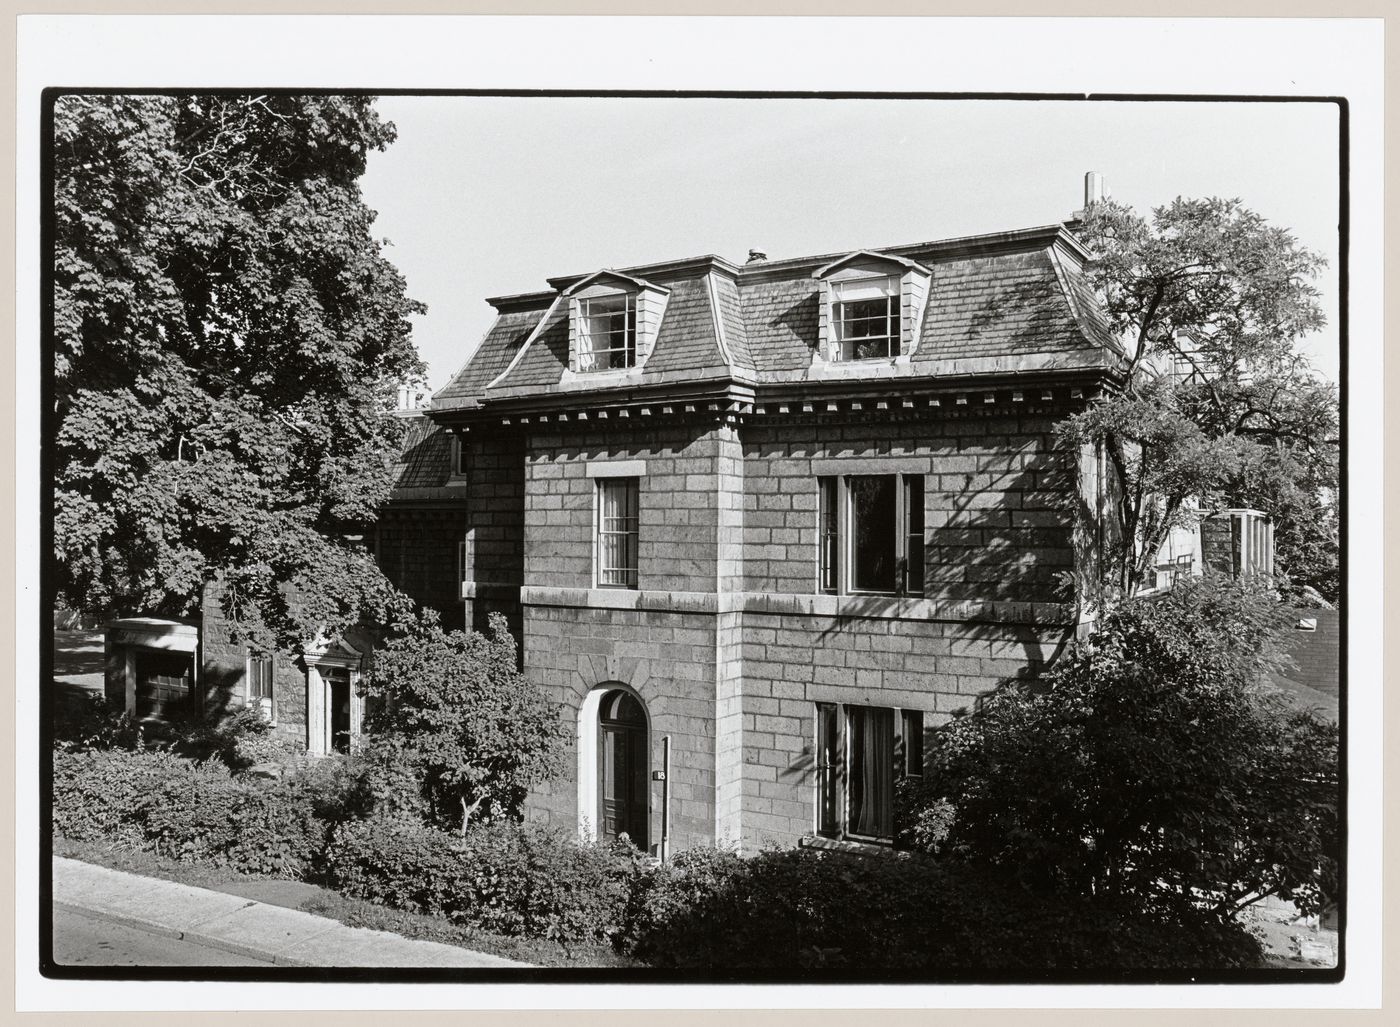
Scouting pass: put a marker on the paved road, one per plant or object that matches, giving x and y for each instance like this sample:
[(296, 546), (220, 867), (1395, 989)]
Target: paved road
[(81, 940)]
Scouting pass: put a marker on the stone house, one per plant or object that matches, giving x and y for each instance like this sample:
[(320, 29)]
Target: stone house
[(759, 528)]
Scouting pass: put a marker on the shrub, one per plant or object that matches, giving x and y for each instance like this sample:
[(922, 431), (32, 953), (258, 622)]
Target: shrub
[(1148, 770), (804, 909), (239, 741), (338, 788), (196, 812), (455, 710), (507, 878), (105, 793), (89, 720)]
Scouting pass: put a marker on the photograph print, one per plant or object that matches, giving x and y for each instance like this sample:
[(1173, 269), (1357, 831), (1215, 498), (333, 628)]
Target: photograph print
[(654, 537)]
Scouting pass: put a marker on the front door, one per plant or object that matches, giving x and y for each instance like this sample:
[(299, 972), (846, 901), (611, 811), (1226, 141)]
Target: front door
[(622, 768), (338, 687)]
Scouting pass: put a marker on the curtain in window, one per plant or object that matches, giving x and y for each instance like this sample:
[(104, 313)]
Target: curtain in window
[(871, 800)]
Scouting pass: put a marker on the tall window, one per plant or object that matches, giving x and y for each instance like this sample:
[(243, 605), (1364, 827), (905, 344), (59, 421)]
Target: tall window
[(871, 533), (259, 679), (865, 314), (617, 532), (607, 333), (861, 752)]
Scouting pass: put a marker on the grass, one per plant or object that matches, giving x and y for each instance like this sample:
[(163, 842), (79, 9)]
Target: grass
[(351, 912)]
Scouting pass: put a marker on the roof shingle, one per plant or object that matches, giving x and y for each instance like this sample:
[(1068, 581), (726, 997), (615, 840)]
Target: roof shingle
[(1009, 303)]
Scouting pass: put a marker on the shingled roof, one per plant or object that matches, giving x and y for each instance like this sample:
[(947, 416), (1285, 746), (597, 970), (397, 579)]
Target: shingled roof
[(1010, 303)]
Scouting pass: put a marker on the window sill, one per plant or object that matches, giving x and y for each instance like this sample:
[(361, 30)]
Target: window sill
[(851, 845)]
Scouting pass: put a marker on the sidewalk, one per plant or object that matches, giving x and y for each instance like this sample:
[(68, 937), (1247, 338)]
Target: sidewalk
[(286, 936)]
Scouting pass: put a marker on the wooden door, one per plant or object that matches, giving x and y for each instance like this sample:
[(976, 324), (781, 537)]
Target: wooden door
[(622, 770)]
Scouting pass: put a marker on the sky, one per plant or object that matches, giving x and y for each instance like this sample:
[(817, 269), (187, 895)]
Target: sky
[(487, 196)]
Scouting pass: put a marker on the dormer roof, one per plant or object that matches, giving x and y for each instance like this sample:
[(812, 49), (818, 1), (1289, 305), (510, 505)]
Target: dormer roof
[(897, 263), (614, 278)]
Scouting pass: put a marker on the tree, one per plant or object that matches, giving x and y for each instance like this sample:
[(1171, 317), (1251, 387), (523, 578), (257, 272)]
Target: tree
[(1217, 408), (453, 709), (228, 338), (1149, 770)]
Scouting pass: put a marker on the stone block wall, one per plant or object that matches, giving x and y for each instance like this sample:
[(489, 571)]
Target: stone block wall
[(668, 659), (417, 547), (899, 656), (677, 495), (998, 500), (225, 667), (726, 639), (494, 529)]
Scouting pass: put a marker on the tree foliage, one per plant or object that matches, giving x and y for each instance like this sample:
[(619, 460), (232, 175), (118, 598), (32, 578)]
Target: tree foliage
[(228, 337), (1150, 769), (1218, 409), (453, 711)]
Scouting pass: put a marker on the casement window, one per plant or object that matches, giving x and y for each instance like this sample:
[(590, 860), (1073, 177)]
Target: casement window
[(258, 678), (865, 316), (871, 529), (607, 332), (861, 752), (617, 532)]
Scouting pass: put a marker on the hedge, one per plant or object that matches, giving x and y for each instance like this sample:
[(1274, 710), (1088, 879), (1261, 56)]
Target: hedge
[(506, 878), (195, 812), (707, 909), (800, 909)]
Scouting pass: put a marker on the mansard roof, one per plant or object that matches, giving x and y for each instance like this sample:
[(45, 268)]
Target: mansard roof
[(1008, 304)]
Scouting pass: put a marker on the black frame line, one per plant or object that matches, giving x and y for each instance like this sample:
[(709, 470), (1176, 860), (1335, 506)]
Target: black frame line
[(558, 975)]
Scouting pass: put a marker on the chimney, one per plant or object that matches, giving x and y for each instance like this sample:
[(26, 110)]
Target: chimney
[(1095, 189), (756, 257)]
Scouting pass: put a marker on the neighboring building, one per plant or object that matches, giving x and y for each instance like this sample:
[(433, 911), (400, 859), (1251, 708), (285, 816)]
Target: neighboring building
[(163, 670), (418, 539), (1314, 645), (790, 515)]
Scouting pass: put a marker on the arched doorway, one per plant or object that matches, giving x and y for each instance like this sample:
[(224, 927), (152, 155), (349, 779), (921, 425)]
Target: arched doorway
[(623, 757)]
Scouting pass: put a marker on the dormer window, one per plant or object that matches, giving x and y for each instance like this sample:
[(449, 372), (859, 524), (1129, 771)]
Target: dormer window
[(871, 307), (614, 320), (607, 332), (865, 314)]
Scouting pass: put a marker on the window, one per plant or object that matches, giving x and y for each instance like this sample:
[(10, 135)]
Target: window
[(607, 333), (259, 681), (617, 532), (1171, 572), (871, 533), (865, 314), (861, 750), (461, 457)]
